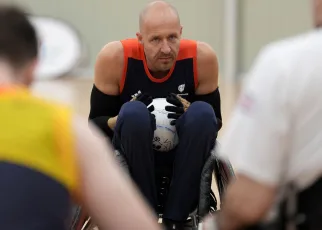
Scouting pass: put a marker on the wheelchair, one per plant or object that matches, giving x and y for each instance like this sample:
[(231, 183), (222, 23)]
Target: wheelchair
[(207, 203)]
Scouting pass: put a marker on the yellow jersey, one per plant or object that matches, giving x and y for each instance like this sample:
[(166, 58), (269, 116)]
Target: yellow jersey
[(37, 153)]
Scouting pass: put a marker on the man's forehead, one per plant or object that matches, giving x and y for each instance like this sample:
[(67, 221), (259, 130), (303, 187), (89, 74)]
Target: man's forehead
[(161, 24)]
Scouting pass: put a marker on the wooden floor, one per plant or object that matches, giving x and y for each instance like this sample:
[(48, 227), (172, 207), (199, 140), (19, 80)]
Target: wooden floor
[(76, 93)]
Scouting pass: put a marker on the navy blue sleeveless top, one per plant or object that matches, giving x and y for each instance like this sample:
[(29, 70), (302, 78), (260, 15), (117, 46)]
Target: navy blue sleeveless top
[(182, 78)]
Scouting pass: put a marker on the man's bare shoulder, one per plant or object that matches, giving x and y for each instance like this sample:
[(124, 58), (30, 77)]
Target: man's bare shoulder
[(109, 68), (208, 69), (205, 52), (112, 52)]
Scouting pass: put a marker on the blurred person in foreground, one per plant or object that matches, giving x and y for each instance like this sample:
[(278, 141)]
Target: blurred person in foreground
[(48, 155), (274, 139)]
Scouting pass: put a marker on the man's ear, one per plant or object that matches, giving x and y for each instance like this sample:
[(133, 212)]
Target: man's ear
[(29, 72), (139, 37)]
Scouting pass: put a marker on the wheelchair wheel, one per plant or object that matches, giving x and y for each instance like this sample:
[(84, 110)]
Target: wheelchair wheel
[(213, 202), (224, 173)]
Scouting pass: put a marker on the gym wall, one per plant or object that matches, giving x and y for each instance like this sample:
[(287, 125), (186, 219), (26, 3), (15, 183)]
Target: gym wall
[(263, 21), (259, 22)]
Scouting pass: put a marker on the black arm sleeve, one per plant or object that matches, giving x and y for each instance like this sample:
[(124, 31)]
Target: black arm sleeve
[(213, 99), (103, 107)]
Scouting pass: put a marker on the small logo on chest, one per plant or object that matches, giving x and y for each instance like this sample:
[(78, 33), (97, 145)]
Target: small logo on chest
[(181, 90)]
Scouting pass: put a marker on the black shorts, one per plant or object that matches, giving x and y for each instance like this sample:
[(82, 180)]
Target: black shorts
[(30, 200)]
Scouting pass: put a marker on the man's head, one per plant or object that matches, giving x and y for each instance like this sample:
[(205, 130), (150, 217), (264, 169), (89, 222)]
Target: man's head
[(18, 44), (317, 8), (160, 34)]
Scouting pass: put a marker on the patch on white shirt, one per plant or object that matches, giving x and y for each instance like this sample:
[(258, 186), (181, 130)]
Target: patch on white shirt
[(246, 102)]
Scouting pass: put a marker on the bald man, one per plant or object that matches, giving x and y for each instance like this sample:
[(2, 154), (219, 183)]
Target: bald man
[(158, 63)]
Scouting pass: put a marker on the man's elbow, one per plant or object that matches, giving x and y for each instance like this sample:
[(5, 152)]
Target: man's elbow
[(253, 213), (249, 201)]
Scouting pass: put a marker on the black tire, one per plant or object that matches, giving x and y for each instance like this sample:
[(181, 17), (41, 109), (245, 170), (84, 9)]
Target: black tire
[(224, 173)]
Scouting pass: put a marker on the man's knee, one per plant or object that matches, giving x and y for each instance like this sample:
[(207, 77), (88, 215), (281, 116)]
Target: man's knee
[(134, 116), (201, 115)]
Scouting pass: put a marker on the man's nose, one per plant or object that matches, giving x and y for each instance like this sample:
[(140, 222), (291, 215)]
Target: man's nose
[(165, 48)]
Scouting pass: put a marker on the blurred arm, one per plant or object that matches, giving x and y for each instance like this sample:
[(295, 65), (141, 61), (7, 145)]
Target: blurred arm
[(207, 65), (106, 192), (255, 142), (207, 89), (246, 202)]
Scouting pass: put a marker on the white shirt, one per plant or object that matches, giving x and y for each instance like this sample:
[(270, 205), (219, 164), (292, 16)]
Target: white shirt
[(275, 133)]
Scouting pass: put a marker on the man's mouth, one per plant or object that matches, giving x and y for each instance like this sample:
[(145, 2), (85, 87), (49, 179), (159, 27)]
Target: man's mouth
[(165, 58)]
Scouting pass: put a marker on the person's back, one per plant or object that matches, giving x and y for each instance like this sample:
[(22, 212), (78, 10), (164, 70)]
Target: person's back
[(274, 138), (292, 83), (303, 91), (37, 151), (296, 78)]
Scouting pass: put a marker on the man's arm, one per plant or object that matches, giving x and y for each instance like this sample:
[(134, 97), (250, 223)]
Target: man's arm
[(105, 100), (107, 193), (255, 142), (207, 89), (207, 67), (245, 203)]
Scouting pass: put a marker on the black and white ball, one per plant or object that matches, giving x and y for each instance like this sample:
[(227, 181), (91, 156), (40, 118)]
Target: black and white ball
[(165, 135)]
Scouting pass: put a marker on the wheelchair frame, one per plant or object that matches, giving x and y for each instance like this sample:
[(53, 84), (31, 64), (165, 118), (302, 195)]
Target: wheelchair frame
[(223, 173)]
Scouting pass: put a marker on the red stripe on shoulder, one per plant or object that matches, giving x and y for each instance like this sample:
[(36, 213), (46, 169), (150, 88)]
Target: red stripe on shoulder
[(188, 49), (131, 48)]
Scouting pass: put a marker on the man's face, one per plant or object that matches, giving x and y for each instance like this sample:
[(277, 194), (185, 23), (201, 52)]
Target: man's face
[(161, 41)]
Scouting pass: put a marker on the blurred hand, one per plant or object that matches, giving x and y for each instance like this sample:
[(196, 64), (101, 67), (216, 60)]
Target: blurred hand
[(180, 106), (112, 122), (209, 223)]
